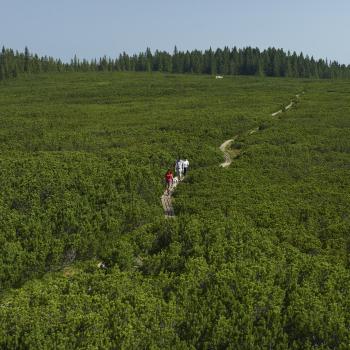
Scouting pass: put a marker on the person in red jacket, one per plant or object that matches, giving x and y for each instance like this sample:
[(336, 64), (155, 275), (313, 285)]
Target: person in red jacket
[(169, 180)]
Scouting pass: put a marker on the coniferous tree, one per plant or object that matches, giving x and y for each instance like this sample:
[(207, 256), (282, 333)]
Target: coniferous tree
[(149, 59), (187, 63), (260, 69), (26, 60), (246, 61), (2, 72), (276, 64), (212, 62), (225, 69)]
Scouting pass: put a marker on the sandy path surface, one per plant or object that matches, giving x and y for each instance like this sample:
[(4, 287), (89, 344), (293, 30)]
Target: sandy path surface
[(287, 107), (224, 147), (227, 156)]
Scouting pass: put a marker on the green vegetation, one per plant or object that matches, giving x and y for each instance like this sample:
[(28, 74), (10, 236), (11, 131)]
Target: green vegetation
[(247, 61), (258, 255)]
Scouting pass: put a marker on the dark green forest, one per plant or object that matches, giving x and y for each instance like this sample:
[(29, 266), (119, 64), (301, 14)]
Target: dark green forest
[(247, 61), (257, 256)]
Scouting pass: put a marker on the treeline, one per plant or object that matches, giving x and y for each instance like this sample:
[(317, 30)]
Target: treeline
[(247, 61), (17, 63)]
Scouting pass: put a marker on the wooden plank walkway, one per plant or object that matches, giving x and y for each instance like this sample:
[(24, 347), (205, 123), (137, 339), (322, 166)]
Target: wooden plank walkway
[(167, 201), (167, 205)]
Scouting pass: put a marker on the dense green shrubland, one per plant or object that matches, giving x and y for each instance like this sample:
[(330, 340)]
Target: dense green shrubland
[(257, 257)]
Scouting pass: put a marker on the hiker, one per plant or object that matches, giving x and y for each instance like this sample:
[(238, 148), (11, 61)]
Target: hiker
[(169, 180), (185, 164), (179, 168)]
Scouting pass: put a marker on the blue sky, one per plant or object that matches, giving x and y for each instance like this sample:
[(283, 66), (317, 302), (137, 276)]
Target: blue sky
[(93, 28)]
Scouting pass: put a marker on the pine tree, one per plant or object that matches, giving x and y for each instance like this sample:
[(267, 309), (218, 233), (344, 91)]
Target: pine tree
[(234, 61), (175, 60), (149, 59), (226, 61), (26, 60), (2, 72), (187, 63), (15, 72), (276, 65), (289, 70), (212, 62), (168, 67), (260, 71)]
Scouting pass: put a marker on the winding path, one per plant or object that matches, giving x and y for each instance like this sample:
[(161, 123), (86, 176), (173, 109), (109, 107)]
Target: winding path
[(224, 147), (229, 155), (286, 108)]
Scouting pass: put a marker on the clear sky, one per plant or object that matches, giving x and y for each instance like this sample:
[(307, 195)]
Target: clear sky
[(93, 28)]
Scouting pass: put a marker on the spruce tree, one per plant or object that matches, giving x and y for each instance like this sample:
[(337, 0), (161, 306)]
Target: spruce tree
[(2, 72), (276, 66), (212, 62), (260, 70), (15, 72), (289, 70), (26, 60), (175, 60), (187, 63)]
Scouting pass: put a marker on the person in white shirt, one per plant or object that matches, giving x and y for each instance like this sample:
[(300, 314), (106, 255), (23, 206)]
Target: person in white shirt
[(185, 165), (179, 168)]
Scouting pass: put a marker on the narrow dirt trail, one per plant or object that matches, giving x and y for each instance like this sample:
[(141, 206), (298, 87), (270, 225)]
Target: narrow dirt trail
[(287, 107), (235, 152), (227, 156)]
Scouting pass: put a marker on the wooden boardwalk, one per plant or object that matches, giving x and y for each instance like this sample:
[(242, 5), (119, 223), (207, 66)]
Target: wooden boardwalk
[(167, 205), (167, 201)]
